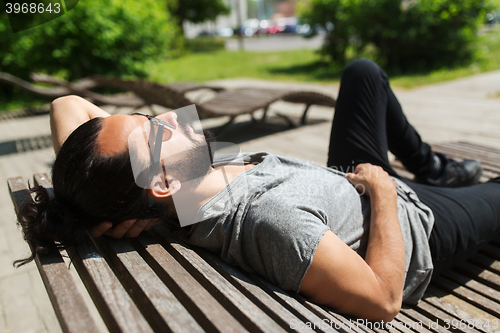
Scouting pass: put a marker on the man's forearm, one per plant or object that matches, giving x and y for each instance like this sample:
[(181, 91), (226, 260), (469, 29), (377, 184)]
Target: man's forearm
[(386, 250), (67, 113)]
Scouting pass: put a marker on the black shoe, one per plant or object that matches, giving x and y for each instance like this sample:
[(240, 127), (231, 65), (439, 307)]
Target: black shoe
[(453, 173)]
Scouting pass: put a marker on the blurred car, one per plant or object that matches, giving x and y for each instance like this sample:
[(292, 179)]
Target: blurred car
[(289, 24), (249, 28), (493, 17), (269, 27), (225, 32)]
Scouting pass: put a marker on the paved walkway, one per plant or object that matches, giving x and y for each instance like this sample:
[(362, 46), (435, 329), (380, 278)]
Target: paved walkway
[(274, 43), (458, 110)]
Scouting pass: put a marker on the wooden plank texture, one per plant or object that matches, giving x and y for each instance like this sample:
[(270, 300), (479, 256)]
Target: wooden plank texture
[(113, 302), (157, 303), (250, 315), (200, 303), (279, 310), (68, 304)]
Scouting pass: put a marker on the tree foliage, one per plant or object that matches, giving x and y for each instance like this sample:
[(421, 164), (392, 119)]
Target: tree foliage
[(405, 35), (114, 37), (196, 11)]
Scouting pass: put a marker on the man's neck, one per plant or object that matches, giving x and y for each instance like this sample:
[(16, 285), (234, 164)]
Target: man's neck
[(190, 199)]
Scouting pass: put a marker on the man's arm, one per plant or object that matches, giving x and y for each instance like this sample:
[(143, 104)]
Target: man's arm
[(67, 113), (371, 288)]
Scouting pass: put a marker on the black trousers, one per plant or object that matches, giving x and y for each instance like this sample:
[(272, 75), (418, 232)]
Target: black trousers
[(368, 122)]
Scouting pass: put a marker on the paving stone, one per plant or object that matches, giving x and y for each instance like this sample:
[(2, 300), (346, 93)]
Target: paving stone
[(20, 312)]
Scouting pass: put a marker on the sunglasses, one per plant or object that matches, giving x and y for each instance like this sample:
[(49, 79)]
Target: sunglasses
[(166, 135), (160, 131)]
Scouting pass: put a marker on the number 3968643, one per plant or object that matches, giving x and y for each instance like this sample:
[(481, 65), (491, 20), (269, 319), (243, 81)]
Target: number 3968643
[(32, 8)]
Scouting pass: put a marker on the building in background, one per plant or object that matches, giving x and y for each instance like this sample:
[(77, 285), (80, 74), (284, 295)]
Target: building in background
[(256, 16), (224, 25), (285, 8)]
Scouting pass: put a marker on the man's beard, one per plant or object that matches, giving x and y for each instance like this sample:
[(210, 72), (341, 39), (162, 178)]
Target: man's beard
[(194, 164)]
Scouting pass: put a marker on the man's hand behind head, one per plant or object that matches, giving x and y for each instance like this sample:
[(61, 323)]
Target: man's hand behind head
[(128, 228)]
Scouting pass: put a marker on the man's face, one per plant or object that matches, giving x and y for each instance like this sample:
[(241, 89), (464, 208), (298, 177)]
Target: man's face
[(114, 136), (184, 155)]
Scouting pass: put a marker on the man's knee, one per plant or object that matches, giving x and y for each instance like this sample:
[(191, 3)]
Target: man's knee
[(361, 69)]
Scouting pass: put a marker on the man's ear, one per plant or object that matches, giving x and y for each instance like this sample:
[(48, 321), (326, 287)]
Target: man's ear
[(160, 189)]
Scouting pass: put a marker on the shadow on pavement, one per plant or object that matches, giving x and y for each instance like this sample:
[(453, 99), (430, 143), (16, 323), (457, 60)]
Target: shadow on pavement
[(245, 131), (25, 145)]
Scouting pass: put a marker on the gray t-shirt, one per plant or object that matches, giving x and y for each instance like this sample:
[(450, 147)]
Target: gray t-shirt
[(270, 219)]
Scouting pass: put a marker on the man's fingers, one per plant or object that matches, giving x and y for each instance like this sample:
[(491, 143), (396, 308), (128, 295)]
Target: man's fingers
[(100, 229), (151, 223), (121, 229), (137, 228), (128, 228)]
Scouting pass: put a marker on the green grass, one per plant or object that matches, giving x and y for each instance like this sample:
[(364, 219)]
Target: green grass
[(21, 100), (306, 65), (297, 65)]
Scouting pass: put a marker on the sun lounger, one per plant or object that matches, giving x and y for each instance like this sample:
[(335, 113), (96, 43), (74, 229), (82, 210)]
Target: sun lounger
[(230, 103), (63, 88), (157, 283)]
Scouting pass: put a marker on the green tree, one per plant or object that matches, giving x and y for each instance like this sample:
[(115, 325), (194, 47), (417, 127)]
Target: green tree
[(334, 17), (196, 11), (405, 35), (115, 37)]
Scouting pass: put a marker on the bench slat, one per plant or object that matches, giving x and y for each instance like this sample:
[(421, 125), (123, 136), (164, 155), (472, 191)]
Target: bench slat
[(116, 307), (411, 324), (480, 274), (472, 150), (488, 160), (470, 296), (490, 153), (428, 323), (250, 315), (472, 284), (290, 301), (441, 317), (160, 307), (283, 312), (336, 321), (451, 306), (204, 307), (68, 304), (491, 251), (400, 326), (114, 304), (486, 262)]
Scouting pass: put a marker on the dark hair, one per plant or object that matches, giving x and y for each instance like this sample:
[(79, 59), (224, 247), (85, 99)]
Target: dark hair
[(88, 188)]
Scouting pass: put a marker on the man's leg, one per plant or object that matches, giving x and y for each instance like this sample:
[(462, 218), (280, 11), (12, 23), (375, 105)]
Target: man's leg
[(369, 121)]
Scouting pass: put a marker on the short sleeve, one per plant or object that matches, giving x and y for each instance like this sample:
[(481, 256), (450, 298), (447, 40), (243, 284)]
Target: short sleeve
[(278, 241)]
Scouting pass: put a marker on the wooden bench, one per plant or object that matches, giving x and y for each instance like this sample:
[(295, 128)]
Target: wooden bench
[(157, 283)]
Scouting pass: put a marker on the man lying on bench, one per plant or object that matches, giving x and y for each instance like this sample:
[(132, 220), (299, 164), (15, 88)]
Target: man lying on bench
[(302, 226)]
